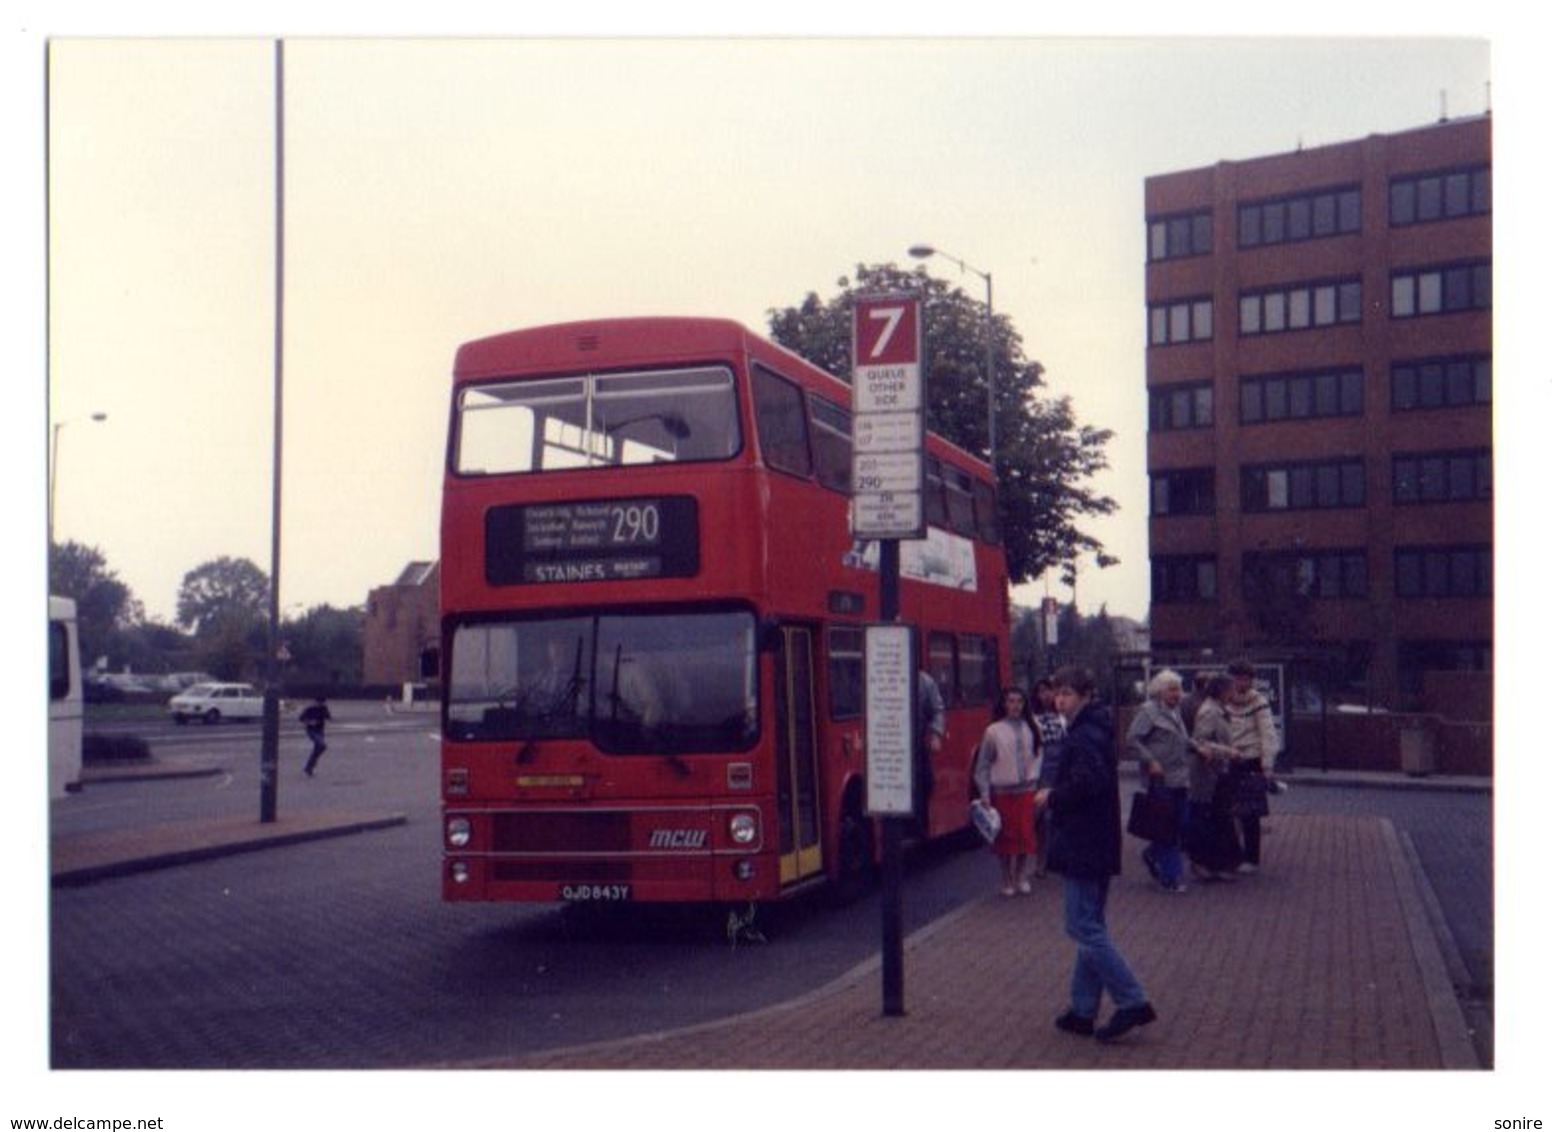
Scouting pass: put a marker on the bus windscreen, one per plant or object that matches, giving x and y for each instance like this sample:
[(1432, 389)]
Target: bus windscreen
[(623, 681)]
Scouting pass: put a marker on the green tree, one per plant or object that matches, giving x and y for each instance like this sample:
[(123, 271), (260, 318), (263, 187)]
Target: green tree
[(229, 649), (105, 606), (1031, 655), (223, 591), (325, 646), (1045, 457), (154, 646), (225, 604), (1087, 641)]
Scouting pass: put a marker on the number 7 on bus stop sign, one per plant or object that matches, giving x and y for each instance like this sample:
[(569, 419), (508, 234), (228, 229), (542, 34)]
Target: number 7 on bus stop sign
[(886, 365)]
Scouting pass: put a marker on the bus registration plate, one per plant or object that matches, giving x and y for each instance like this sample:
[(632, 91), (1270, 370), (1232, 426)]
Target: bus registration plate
[(582, 893)]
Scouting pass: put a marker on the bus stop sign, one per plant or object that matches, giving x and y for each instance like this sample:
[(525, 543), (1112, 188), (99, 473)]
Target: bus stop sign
[(888, 406)]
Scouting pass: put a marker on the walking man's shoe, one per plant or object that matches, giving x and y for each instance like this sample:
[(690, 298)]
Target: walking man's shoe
[(1125, 1020), (1074, 1023), (1152, 865)]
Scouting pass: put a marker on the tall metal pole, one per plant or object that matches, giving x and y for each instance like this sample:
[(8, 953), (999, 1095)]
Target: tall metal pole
[(888, 387), (53, 472), (892, 868), (991, 380), (53, 482), (269, 750)]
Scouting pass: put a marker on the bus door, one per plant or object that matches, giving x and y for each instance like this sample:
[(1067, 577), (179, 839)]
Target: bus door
[(797, 756)]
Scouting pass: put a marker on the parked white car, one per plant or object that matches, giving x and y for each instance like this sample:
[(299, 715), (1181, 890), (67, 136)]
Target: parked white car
[(212, 703)]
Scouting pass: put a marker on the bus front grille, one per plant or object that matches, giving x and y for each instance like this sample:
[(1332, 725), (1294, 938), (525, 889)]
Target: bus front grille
[(561, 831)]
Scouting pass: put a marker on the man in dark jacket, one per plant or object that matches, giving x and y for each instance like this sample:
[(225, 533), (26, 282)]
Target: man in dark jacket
[(315, 716), (1084, 802)]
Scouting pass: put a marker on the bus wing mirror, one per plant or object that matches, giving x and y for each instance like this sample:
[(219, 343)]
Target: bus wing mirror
[(770, 634)]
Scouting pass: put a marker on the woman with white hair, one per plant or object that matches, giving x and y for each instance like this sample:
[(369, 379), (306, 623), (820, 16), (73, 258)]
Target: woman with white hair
[(1158, 740)]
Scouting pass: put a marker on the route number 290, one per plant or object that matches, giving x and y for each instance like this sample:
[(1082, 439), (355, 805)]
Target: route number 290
[(636, 523)]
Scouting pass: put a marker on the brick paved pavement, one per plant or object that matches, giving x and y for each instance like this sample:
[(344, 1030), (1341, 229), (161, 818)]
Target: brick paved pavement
[(1323, 961), (87, 857)]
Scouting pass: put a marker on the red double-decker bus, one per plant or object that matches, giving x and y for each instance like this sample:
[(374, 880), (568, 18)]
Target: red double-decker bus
[(653, 616)]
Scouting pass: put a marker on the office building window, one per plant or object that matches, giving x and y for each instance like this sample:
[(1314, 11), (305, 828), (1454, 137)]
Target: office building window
[(1182, 492), (1186, 320), (1429, 197), (1440, 383), (1300, 396), (1185, 577), (1322, 574), (1442, 477), (1308, 216), (1180, 235), (1303, 486), (1174, 407), (1444, 571), (1416, 658), (1447, 289), (1302, 306)]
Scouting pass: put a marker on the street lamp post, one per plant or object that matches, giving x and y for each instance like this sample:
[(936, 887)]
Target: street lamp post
[(269, 736), (927, 251), (54, 469)]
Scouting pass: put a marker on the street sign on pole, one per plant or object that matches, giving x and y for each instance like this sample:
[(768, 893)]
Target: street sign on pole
[(878, 433), (888, 410), (891, 681), (887, 473)]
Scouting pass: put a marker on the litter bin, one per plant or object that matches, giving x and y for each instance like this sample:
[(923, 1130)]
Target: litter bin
[(1419, 746)]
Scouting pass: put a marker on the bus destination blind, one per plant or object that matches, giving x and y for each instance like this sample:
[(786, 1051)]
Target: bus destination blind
[(594, 540)]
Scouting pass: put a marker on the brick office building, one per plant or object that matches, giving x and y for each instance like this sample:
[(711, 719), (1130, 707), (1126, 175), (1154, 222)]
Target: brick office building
[(1319, 375), (402, 621)]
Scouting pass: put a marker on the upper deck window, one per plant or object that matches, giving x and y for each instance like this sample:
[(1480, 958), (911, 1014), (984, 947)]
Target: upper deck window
[(783, 424), (596, 420)]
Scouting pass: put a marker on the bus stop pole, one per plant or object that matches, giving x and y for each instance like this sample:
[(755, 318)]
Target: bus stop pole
[(893, 959)]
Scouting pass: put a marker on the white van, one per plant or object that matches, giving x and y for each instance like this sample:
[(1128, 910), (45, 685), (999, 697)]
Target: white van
[(65, 710)]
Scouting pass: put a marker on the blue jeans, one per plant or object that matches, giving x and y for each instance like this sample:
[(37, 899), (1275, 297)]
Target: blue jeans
[(1165, 855), (1250, 838), (1099, 965)]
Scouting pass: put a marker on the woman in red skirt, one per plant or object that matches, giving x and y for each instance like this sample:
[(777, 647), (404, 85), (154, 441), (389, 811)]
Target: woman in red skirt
[(1007, 767)]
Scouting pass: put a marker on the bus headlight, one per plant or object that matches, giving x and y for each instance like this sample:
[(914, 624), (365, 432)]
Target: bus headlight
[(460, 872), (458, 832), (744, 829)]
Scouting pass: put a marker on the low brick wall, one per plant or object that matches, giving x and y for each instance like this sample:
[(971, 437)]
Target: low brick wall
[(1466, 748), (1374, 742)]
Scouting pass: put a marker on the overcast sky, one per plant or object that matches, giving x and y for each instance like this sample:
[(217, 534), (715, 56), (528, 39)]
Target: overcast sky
[(437, 191)]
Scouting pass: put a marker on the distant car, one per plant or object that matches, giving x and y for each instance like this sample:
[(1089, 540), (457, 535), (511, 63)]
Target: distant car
[(176, 682), (126, 683), (101, 692), (212, 703)]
